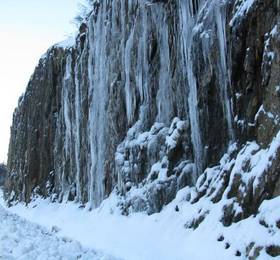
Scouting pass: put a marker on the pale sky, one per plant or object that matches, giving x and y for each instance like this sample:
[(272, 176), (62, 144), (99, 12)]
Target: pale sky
[(28, 28)]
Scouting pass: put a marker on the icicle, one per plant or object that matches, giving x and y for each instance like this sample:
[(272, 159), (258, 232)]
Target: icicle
[(187, 21), (91, 119), (67, 123), (220, 16), (164, 105), (129, 96), (77, 134), (98, 95), (142, 68)]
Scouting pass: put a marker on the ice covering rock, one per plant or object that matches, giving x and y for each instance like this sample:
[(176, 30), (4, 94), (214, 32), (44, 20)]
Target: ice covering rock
[(148, 100)]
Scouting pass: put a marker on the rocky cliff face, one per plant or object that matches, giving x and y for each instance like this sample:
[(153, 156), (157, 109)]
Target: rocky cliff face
[(153, 97), (3, 174)]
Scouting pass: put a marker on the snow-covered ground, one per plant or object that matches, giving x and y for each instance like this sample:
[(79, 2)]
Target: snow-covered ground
[(21, 239), (181, 231), (161, 236)]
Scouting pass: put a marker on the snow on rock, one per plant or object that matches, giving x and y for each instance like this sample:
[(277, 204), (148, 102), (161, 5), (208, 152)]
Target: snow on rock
[(161, 153), (21, 239), (241, 8), (67, 43), (230, 211)]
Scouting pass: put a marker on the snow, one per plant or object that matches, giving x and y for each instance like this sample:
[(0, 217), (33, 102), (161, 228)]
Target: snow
[(241, 10), (170, 234), (177, 126), (167, 235), (67, 43), (135, 237), (21, 239), (164, 235), (142, 237), (273, 33), (269, 114)]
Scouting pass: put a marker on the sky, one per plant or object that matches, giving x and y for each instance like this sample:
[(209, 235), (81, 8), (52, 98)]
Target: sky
[(27, 29)]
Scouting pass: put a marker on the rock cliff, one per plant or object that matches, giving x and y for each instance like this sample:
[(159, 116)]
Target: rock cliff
[(152, 97), (3, 174)]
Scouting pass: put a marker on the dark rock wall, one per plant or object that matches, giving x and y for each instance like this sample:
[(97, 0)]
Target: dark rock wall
[(31, 156), (100, 114), (3, 174), (255, 71)]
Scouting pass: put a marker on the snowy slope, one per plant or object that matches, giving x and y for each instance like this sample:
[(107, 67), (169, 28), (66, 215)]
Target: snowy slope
[(192, 226), (162, 236), (21, 239)]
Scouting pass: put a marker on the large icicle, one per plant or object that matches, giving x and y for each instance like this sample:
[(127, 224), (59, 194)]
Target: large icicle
[(67, 125), (77, 134), (164, 102), (220, 16), (187, 21), (142, 69), (97, 114), (129, 96)]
